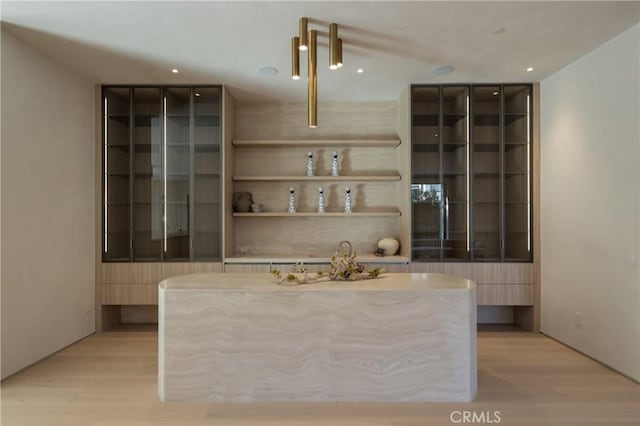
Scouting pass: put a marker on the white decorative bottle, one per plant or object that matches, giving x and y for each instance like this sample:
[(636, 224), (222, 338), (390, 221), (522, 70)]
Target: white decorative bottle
[(334, 165), (321, 200), (347, 200), (310, 163), (292, 200)]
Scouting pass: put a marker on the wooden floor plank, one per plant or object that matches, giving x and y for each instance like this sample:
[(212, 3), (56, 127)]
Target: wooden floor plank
[(111, 379)]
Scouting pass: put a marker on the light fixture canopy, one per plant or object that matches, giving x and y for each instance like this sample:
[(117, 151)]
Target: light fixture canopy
[(303, 42), (444, 70), (267, 70), (333, 46), (295, 58)]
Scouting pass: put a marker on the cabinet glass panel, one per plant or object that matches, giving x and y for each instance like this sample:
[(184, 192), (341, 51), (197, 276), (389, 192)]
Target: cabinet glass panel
[(426, 186), (116, 200), (206, 206), (439, 173), (177, 105), (486, 166), (517, 173), (148, 183), (455, 132)]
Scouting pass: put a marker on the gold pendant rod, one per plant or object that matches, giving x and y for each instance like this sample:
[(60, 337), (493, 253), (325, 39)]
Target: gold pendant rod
[(295, 58), (313, 80), (333, 46), (303, 34)]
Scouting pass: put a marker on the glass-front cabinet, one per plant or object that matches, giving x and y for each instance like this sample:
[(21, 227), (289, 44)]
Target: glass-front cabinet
[(440, 175), (161, 180), (471, 173)]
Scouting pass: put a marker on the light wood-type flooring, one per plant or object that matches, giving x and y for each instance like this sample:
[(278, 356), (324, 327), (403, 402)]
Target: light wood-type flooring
[(110, 379)]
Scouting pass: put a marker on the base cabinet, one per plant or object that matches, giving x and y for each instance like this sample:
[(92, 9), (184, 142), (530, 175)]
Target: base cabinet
[(501, 284), (129, 291)]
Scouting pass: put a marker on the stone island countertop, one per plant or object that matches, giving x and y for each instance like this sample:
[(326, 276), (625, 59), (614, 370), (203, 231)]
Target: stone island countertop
[(242, 337)]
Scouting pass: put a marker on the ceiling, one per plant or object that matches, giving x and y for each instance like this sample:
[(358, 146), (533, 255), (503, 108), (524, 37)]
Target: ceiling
[(396, 43)]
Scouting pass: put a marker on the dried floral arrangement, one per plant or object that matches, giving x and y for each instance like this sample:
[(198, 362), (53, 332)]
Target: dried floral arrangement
[(344, 267)]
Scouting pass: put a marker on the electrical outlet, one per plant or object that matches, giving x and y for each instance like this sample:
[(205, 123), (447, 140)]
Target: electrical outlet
[(632, 259), (578, 319)]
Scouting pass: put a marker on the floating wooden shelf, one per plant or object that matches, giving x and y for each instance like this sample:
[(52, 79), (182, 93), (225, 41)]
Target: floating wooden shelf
[(310, 259), (359, 178), (351, 143), (315, 214)]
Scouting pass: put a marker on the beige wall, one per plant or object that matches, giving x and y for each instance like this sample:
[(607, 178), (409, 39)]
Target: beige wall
[(47, 214), (288, 120), (590, 203)]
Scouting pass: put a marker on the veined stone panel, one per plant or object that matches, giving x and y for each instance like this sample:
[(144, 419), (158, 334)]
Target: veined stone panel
[(241, 337)]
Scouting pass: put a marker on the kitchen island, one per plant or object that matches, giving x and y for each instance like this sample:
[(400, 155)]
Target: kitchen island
[(233, 337)]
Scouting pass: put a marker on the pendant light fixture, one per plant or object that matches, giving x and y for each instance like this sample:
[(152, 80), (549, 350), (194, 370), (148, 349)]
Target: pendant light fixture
[(308, 40)]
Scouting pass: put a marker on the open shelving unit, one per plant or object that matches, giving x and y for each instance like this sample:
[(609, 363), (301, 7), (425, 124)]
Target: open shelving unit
[(268, 168)]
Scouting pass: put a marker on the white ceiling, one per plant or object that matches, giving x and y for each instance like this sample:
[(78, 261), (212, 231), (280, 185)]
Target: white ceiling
[(396, 43)]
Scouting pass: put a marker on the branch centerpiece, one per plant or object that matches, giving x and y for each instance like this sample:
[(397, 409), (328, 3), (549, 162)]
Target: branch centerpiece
[(344, 267)]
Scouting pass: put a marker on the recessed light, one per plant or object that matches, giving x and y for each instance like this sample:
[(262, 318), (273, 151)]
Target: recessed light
[(197, 94), (499, 30), (495, 93), (268, 70), (360, 70), (529, 69), (444, 70), (175, 71)]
